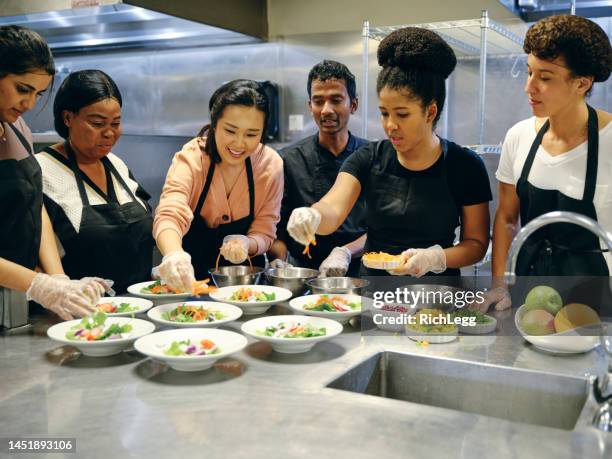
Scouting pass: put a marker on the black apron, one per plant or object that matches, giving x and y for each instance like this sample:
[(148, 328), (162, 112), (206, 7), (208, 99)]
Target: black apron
[(203, 243), (560, 249), (21, 207), (409, 213), (114, 240)]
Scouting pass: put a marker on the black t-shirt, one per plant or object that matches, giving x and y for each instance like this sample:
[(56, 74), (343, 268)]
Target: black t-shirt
[(466, 173), (310, 171)]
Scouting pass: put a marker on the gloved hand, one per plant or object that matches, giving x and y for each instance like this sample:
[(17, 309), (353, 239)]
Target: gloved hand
[(67, 298), (498, 295), (278, 264), (303, 224), (235, 248), (417, 262), (336, 264), (176, 271)]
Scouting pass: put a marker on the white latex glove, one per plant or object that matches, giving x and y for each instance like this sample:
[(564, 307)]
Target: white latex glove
[(498, 296), (67, 298), (417, 262), (235, 248), (303, 224), (279, 264), (336, 264), (176, 271)]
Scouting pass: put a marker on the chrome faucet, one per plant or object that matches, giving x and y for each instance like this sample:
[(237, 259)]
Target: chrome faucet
[(547, 219)]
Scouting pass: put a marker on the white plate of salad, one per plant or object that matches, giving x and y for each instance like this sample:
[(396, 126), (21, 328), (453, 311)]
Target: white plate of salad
[(99, 335), (207, 314), (252, 299), (190, 349), (482, 323), (337, 307), (292, 334), (123, 306), (156, 290)]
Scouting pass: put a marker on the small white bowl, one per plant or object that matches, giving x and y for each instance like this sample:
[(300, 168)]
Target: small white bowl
[(569, 342), (298, 304), (252, 307), (153, 345), (102, 348), (142, 304), (136, 290), (231, 313), (479, 329), (391, 321), (291, 345)]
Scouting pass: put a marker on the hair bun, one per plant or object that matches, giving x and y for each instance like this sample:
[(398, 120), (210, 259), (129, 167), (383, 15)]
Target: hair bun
[(413, 47)]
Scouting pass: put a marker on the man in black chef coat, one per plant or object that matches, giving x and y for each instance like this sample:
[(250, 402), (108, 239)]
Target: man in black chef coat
[(311, 166)]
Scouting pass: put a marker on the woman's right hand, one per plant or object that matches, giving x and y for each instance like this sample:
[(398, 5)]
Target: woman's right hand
[(303, 224), (67, 298), (176, 271)]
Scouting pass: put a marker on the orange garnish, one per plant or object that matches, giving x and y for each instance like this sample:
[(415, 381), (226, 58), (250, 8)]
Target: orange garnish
[(306, 250), (202, 288)]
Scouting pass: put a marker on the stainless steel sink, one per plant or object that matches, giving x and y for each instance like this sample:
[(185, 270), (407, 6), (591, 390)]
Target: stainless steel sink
[(516, 395)]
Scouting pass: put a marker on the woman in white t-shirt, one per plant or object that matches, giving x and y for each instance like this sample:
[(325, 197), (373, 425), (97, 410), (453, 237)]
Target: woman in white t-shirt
[(560, 159)]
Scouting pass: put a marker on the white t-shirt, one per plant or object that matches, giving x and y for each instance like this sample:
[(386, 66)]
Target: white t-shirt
[(565, 172)]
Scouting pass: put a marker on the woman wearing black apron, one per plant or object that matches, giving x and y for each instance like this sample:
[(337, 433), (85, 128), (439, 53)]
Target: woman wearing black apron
[(99, 212), (26, 236), (418, 188), (222, 194), (558, 160)]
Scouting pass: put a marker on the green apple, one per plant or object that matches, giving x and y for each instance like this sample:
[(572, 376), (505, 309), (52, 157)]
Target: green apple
[(544, 297)]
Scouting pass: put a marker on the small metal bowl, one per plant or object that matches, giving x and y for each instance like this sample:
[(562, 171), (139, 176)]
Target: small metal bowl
[(336, 285), (227, 276), (291, 278)]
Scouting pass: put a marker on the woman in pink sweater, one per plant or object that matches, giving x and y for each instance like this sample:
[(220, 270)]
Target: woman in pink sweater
[(223, 191)]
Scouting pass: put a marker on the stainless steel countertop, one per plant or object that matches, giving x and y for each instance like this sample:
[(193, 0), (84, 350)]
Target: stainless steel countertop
[(263, 404)]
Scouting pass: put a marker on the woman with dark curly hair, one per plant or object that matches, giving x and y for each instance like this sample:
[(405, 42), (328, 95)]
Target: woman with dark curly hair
[(418, 187), (559, 159)]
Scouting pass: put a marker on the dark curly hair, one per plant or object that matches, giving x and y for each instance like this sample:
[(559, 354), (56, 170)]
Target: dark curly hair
[(328, 70), (79, 90), (581, 42), (418, 60), (247, 93)]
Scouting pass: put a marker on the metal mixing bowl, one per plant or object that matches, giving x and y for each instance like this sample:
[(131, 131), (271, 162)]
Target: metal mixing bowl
[(291, 278), (336, 285), (235, 275)]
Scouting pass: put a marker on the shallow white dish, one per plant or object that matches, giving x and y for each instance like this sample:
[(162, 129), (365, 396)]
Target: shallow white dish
[(298, 304), (142, 304), (252, 307), (291, 345), (569, 342), (102, 348), (391, 321), (153, 345), (383, 265), (231, 313), (136, 290)]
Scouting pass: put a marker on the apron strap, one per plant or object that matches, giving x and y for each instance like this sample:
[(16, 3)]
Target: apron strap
[(249, 171), (532, 152), (81, 177), (113, 171), (590, 180), (28, 147), (207, 183)]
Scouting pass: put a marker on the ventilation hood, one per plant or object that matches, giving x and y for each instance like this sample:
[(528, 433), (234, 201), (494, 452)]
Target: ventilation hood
[(124, 26), (534, 10)]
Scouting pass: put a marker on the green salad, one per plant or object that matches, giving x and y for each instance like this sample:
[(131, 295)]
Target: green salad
[(93, 328), (247, 294), (187, 348), (332, 304), (292, 330), (479, 316), (186, 313)]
